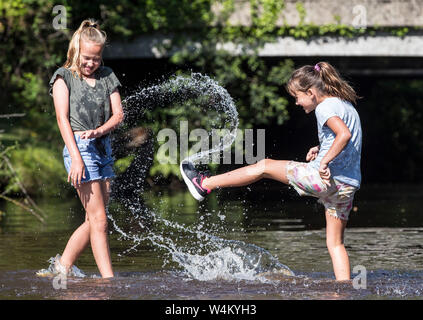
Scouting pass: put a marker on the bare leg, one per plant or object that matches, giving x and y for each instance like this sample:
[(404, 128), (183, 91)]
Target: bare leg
[(94, 202), (276, 170), (81, 237), (105, 189), (91, 195), (76, 244), (335, 243), (267, 168)]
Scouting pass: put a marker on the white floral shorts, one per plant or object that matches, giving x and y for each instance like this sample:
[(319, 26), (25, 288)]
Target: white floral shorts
[(337, 199)]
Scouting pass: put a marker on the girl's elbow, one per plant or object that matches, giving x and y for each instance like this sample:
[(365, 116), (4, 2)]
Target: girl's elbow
[(347, 136), (61, 119), (120, 117)]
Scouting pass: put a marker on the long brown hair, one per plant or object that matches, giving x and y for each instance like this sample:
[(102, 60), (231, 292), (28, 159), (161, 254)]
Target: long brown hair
[(89, 30), (324, 77)]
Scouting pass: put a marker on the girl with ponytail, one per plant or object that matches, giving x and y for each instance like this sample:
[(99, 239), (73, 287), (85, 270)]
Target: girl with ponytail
[(88, 107), (331, 172)]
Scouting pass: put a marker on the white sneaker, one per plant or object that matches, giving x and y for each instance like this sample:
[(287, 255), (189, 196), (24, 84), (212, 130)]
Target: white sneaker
[(56, 268)]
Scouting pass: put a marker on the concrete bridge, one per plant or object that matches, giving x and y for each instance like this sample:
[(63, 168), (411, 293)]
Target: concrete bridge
[(401, 55)]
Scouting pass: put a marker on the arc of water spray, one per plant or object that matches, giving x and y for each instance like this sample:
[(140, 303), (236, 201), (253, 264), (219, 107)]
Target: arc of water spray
[(179, 89)]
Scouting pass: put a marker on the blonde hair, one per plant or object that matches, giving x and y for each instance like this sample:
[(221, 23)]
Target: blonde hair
[(324, 77), (89, 30)]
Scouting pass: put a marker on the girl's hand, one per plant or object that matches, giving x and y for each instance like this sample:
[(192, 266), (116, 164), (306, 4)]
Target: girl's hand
[(312, 154), (76, 172), (325, 173), (89, 134)]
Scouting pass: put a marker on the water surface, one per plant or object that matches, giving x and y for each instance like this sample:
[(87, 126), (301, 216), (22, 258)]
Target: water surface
[(384, 236)]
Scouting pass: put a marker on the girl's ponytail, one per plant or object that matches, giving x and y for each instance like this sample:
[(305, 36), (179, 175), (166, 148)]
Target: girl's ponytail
[(89, 30), (334, 85), (324, 77)]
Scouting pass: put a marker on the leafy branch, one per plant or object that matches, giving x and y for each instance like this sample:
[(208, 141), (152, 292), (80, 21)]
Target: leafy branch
[(8, 171)]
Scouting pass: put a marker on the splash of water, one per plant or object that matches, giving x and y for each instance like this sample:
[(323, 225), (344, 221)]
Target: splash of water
[(56, 268), (180, 89), (207, 256)]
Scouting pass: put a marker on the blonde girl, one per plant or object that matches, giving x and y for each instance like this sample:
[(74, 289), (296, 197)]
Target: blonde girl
[(88, 107), (331, 172)]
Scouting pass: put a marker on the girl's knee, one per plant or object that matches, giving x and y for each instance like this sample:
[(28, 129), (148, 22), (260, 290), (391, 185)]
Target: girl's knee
[(262, 165), (334, 243), (98, 222)]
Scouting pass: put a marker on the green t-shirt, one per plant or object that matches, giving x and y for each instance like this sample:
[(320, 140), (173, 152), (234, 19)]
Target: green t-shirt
[(89, 107)]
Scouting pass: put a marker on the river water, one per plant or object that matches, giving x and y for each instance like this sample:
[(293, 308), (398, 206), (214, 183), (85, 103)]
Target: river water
[(384, 239)]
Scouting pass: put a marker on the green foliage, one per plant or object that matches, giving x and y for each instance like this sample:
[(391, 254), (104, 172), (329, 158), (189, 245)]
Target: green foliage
[(28, 44), (39, 169), (400, 32), (5, 174), (122, 164), (165, 170)]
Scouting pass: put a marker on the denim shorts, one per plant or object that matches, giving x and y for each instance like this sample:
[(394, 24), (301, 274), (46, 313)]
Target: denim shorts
[(96, 154), (337, 199)]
